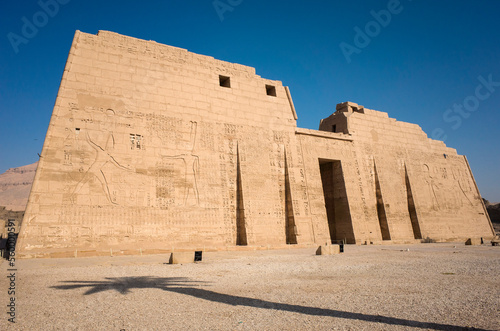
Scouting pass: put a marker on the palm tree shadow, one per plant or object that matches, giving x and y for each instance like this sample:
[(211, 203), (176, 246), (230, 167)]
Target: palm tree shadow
[(185, 286), (123, 285)]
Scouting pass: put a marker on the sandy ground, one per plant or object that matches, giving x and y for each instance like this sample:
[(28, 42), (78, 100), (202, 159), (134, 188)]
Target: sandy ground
[(426, 286)]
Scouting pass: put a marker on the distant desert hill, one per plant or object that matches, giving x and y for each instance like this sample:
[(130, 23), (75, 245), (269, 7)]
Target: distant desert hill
[(493, 211), (15, 186)]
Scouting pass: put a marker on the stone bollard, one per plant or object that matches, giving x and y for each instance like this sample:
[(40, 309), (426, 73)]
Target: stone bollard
[(473, 241), (328, 249), (181, 257)]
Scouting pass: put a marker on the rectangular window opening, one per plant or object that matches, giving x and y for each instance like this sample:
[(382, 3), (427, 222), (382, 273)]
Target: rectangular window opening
[(271, 90), (225, 81)]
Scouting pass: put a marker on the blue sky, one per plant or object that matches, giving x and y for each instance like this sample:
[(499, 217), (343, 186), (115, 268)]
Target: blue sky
[(422, 65)]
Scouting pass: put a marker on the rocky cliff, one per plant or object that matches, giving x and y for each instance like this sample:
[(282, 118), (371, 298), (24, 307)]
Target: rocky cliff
[(15, 186), (493, 211)]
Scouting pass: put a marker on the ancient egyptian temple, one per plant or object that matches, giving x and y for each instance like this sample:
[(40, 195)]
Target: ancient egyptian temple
[(152, 149)]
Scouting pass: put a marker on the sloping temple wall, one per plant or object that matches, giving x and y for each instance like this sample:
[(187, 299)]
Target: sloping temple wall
[(152, 148)]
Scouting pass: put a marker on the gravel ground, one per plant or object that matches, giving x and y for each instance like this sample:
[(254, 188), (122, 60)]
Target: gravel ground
[(425, 286)]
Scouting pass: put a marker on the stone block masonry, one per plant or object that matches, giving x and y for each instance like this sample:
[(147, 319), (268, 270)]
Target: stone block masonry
[(152, 148)]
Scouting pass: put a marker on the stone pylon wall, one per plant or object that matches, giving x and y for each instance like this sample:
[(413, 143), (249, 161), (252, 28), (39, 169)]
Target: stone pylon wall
[(142, 152), (152, 148), (400, 181)]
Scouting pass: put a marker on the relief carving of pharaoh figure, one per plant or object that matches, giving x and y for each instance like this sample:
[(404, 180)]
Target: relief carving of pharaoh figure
[(94, 146), (187, 164)]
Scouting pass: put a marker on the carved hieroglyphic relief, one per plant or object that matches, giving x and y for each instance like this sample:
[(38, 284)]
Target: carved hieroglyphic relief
[(448, 187), (145, 149), (96, 169), (432, 187), (190, 164), (175, 173), (93, 144)]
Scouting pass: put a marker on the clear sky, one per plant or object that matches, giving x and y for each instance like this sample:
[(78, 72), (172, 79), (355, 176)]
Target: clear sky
[(433, 63)]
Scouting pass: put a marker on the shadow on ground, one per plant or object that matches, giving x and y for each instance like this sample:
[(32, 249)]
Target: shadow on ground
[(185, 286)]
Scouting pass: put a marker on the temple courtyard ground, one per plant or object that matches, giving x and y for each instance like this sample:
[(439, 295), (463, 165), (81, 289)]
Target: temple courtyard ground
[(447, 286)]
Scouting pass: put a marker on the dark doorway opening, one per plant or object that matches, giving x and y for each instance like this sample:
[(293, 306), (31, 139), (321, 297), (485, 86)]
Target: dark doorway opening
[(382, 218), (336, 203)]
